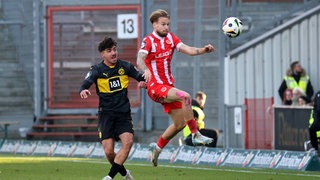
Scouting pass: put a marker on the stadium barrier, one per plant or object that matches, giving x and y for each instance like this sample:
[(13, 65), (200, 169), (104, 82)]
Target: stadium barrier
[(268, 159), (291, 127)]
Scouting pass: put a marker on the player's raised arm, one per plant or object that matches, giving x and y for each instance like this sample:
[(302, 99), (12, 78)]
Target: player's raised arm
[(193, 51)]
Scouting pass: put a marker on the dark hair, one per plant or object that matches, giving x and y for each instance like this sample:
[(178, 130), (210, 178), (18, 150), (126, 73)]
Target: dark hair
[(305, 98), (293, 64), (106, 43), (155, 15)]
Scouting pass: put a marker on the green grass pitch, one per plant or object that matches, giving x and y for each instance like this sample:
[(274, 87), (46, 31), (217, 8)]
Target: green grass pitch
[(62, 168)]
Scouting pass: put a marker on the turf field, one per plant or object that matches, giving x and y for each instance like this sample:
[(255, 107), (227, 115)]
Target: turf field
[(61, 168)]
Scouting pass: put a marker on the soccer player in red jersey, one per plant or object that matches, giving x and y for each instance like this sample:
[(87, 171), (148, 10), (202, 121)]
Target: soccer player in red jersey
[(154, 58)]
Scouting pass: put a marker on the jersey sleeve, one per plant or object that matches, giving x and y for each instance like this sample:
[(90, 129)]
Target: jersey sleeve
[(135, 73), (176, 41), (145, 45), (89, 79)]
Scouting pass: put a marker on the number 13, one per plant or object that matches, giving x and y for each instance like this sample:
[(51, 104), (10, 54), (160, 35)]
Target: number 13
[(128, 25)]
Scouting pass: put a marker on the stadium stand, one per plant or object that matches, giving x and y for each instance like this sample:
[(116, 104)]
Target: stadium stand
[(262, 16), (14, 88), (69, 127)]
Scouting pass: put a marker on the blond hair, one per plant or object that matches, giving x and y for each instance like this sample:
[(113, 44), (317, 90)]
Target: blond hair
[(155, 15), (201, 95)]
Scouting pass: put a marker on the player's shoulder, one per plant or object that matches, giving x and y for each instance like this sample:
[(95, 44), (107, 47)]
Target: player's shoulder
[(147, 38), (97, 66), (124, 63), (171, 34)]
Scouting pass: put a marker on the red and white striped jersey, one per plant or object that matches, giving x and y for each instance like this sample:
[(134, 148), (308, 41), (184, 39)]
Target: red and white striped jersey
[(160, 51)]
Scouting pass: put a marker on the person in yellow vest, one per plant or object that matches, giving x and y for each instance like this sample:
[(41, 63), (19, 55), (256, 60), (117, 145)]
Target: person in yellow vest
[(296, 76), (197, 107), (314, 122)]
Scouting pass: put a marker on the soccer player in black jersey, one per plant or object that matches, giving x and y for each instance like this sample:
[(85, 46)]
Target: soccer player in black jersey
[(314, 122), (111, 78)]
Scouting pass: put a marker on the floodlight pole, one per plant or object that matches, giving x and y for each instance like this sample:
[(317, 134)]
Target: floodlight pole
[(221, 112)]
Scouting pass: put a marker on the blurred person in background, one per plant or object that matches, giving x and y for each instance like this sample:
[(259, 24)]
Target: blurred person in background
[(296, 76), (297, 92), (303, 101), (315, 123), (287, 97), (197, 106)]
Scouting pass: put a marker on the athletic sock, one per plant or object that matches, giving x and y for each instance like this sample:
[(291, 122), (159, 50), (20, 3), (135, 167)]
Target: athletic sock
[(162, 142), (123, 171), (192, 126), (115, 168)]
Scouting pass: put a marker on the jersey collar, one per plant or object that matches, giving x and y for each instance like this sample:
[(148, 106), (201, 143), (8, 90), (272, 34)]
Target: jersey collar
[(156, 35)]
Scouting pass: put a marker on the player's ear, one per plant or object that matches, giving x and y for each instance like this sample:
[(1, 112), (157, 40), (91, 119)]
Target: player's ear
[(154, 24)]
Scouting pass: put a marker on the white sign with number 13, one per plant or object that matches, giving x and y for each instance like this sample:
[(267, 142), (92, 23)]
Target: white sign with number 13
[(127, 26)]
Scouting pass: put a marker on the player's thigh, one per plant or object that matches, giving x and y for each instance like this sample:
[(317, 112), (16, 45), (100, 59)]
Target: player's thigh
[(177, 116), (105, 126), (123, 124), (126, 139), (108, 145), (172, 95)]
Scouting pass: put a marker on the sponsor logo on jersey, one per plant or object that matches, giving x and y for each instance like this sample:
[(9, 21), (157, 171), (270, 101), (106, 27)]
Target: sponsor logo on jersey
[(167, 53)]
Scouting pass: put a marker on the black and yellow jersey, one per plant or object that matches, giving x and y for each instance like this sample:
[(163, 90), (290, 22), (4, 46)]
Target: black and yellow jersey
[(111, 84)]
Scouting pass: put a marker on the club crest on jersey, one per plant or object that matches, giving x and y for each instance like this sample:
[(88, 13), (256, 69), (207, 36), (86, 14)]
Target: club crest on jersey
[(168, 41), (163, 89), (121, 71)]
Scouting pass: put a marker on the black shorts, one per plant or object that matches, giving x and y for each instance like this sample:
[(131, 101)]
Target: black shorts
[(112, 125)]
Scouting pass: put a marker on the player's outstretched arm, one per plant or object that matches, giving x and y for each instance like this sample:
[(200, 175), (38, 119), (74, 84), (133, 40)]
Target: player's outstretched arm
[(193, 51)]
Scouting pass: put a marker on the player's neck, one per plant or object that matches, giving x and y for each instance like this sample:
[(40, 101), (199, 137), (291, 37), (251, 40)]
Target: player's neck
[(155, 34)]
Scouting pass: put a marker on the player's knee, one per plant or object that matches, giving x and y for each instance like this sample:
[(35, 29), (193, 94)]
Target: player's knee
[(183, 95), (127, 144), (185, 98), (110, 155)]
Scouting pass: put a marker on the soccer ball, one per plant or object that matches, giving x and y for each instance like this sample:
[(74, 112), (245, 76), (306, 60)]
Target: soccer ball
[(232, 27)]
